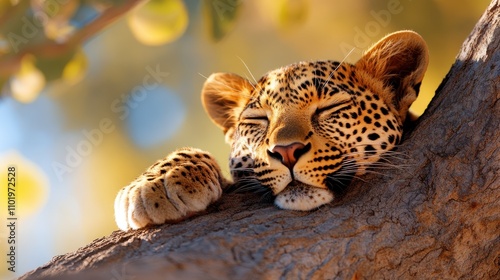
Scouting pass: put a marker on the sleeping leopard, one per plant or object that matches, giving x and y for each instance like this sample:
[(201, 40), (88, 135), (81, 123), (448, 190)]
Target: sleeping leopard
[(300, 133)]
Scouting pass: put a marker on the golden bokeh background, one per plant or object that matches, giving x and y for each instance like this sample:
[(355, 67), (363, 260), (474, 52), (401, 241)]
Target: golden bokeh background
[(81, 126)]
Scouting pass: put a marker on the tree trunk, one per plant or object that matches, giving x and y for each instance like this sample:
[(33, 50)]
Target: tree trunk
[(438, 217)]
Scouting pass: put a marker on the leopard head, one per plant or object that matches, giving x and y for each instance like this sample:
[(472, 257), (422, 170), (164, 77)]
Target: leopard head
[(303, 131)]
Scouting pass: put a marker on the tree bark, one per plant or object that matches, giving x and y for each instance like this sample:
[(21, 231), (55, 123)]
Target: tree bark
[(438, 217)]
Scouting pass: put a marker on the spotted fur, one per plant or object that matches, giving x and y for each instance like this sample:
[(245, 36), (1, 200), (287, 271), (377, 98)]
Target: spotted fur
[(174, 188), (300, 133)]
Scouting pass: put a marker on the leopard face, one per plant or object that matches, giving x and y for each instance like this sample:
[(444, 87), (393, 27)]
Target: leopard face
[(308, 128), (303, 131)]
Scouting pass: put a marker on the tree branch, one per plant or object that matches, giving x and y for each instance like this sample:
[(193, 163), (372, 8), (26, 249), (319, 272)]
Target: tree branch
[(10, 64)]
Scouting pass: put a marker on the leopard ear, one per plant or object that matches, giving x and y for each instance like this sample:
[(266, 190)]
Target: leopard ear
[(223, 96), (399, 60)]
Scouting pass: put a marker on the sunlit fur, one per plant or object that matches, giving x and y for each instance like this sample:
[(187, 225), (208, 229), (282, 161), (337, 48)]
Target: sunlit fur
[(297, 135), (347, 116), (180, 185)]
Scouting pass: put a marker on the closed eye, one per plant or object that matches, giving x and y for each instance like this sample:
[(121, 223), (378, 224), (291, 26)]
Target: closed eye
[(334, 108), (254, 115), (261, 118)]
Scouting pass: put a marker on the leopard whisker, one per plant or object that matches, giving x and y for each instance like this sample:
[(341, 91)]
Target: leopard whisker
[(242, 169), (388, 156), (340, 186), (350, 165), (248, 69), (334, 70), (247, 184), (377, 166)]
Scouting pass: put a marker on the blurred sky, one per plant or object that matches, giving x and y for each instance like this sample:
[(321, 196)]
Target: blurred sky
[(77, 144)]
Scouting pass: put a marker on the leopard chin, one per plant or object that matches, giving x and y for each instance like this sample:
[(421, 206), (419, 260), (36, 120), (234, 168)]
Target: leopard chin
[(302, 197)]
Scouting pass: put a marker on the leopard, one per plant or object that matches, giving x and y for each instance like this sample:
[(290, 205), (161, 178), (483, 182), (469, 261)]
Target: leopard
[(301, 134)]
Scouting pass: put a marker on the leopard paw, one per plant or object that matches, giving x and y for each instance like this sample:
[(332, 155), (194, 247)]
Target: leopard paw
[(174, 188)]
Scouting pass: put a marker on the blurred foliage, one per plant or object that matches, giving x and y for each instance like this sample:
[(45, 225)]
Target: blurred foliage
[(222, 15), (41, 40), (75, 68), (28, 81)]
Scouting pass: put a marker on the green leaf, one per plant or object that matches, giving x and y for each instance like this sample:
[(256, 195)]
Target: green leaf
[(53, 66), (222, 15)]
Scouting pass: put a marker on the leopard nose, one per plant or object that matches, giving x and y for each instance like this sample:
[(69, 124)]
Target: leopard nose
[(289, 154)]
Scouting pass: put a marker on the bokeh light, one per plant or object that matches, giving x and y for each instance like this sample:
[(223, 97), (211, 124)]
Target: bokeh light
[(159, 21), (32, 184), (155, 115), (28, 82)]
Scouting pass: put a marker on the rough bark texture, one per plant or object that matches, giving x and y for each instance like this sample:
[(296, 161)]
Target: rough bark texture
[(437, 218)]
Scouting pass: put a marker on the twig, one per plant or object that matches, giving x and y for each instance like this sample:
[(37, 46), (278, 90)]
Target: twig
[(10, 64)]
